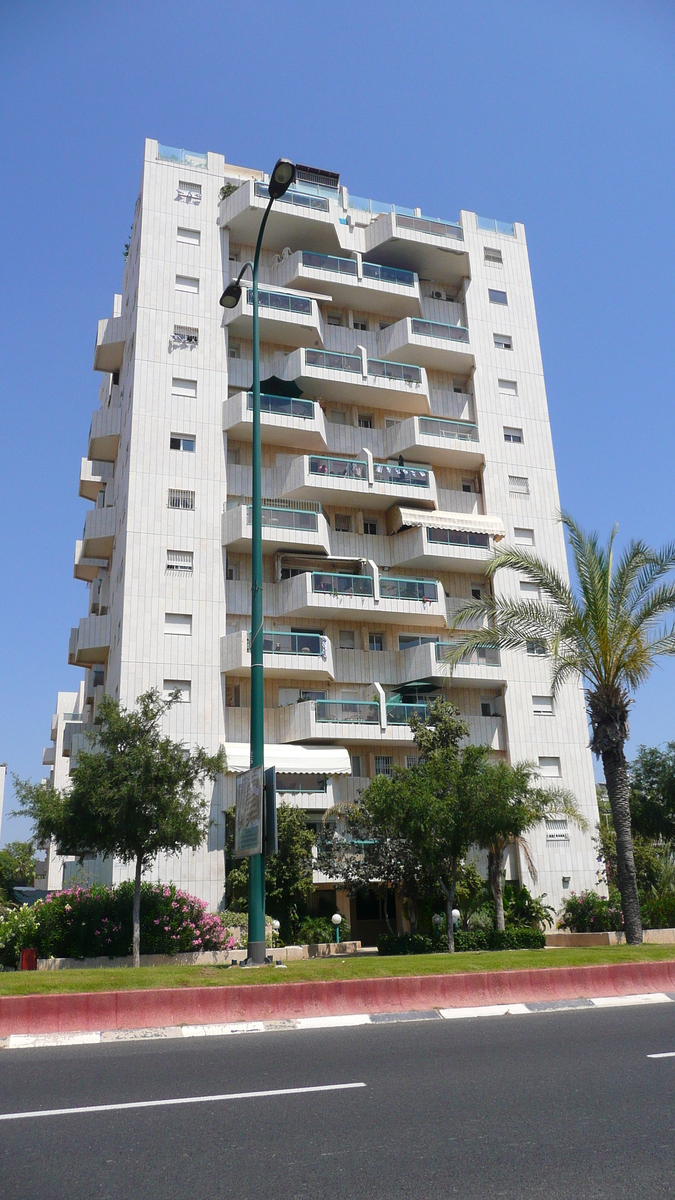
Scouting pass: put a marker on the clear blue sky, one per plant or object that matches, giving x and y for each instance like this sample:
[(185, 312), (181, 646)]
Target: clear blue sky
[(560, 115)]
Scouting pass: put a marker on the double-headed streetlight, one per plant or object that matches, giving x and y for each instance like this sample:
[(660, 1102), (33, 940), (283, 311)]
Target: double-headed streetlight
[(281, 179)]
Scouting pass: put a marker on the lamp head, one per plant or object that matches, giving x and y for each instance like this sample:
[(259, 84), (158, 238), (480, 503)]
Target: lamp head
[(336, 919), (281, 178), (232, 295), (436, 919)]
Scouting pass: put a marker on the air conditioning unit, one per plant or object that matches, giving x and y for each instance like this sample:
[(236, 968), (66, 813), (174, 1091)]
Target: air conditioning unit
[(438, 296)]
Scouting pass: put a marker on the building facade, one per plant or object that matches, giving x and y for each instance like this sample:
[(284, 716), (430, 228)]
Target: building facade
[(405, 433)]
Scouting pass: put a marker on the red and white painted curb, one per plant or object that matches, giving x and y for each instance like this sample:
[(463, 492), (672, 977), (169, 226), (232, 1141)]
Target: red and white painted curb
[(20, 1041)]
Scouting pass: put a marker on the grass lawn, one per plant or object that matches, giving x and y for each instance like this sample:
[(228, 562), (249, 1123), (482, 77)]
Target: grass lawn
[(100, 979)]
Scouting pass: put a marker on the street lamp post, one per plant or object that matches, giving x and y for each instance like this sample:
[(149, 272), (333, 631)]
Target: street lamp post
[(281, 178)]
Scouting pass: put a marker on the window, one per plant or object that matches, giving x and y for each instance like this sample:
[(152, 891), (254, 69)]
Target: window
[(190, 192), (557, 829), (179, 441), (391, 423), (334, 318), (407, 641), (492, 255), (467, 485), (233, 458), (357, 768), (530, 590), (178, 498), (180, 623), (385, 325), (536, 648), (384, 764), (343, 523), (178, 685), (549, 768), (301, 783), (411, 760), (503, 341), (513, 435), (497, 297), (360, 324), (337, 416), (183, 387), (370, 527), (233, 696), (312, 695), (542, 706), (566, 881), (232, 570), (191, 236), (346, 639), (476, 591), (519, 485), (186, 283), (184, 337), (507, 387), (365, 421), (376, 641), (523, 537), (233, 349), (180, 560)]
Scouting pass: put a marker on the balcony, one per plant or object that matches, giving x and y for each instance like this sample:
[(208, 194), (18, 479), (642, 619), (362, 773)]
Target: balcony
[(284, 527), (336, 480), (109, 348), (398, 387), (352, 283), (430, 662), (431, 344), (438, 441), (326, 594), (285, 318), (441, 540), (93, 475), (284, 421), (89, 642), (99, 533), (301, 218), (87, 568), (433, 249), (306, 655), (104, 434)]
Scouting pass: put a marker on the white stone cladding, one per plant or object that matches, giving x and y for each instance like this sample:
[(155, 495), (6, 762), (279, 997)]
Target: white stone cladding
[(409, 428)]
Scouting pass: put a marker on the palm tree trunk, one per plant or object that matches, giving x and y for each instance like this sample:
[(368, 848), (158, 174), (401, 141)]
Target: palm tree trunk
[(616, 778), (495, 873), (137, 911)]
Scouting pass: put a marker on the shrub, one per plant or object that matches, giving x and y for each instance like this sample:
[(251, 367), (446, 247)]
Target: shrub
[(590, 913), (470, 939), (319, 929), (87, 923)]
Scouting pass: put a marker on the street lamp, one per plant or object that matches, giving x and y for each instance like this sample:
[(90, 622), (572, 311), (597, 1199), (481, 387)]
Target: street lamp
[(337, 921), (280, 180)]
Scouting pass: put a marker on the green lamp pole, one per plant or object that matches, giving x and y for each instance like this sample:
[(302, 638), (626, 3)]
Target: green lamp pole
[(281, 178)]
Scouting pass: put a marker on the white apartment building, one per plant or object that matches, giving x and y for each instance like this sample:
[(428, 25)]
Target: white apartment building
[(405, 433)]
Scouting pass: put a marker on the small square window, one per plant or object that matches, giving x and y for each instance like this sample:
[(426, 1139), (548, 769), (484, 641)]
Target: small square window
[(507, 387), (365, 421), (179, 498), (362, 325), (180, 560), (467, 485), (346, 639), (334, 318), (549, 768), (179, 441), (519, 485), (486, 708), (542, 706), (191, 237), (385, 325), (233, 349), (376, 641), (384, 764), (343, 523), (530, 590), (233, 696), (503, 341), (178, 623), (476, 593), (523, 537), (497, 297), (183, 387), (492, 255), (370, 527), (356, 765), (411, 760), (187, 283), (513, 435), (536, 648), (182, 686)]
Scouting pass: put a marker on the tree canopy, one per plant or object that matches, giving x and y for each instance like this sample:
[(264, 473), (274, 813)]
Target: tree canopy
[(288, 873)]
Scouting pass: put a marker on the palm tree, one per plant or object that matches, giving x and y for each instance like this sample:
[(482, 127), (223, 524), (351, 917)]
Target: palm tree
[(609, 632)]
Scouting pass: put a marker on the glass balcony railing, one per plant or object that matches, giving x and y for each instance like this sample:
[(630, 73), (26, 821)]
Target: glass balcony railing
[(496, 226), (342, 585), (400, 714), (384, 369), (361, 204), (435, 329), (427, 225), (287, 518), (388, 274), (186, 157), (458, 537), (301, 199), (281, 301), (333, 362), (293, 643), (328, 262), (284, 406), (463, 431), (408, 476), (348, 712), (480, 657), (408, 589), (340, 468)]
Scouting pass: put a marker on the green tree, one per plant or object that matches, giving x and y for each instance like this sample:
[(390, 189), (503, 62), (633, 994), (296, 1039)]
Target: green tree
[(609, 632), (133, 794), (17, 867), (288, 874), (652, 793)]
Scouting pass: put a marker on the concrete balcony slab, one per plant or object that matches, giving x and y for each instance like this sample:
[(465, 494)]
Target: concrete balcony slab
[(109, 348), (286, 318), (290, 655), (89, 642), (277, 426), (104, 434), (298, 220), (433, 249), (355, 379), (283, 529), (99, 532), (429, 344), (443, 443), (333, 481), (350, 283)]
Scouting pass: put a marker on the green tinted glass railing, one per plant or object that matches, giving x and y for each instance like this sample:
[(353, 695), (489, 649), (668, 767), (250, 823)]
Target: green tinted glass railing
[(464, 431), (283, 406), (287, 518), (187, 158), (400, 714), (292, 643), (336, 584), (348, 712), (281, 302), (428, 225), (300, 199), (436, 329), (496, 226), (478, 657), (458, 537), (339, 468), (333, 362), (388, 274), (329, 262), (408, 476), (384, 369), (408, 589)]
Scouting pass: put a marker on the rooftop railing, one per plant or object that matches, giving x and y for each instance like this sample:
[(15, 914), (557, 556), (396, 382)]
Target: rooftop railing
[(340, 468), (188, 158), (333, 362), (329, 262), (388, 274), (281, 301), (384, 369), (405, 476), (496, 226), (348, 712), (479, 657), (283, 406), (361, 204), (400, 714), (301, 199), (335, 584), (458, 537), (436, 329), (464, 431), (286, 518), (424, 590), (429, 225)]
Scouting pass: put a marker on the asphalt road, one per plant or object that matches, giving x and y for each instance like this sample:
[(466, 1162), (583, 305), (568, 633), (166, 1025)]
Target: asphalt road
[(553, 1105)]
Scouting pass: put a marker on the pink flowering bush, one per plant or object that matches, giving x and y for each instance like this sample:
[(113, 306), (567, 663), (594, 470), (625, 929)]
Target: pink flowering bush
[(89, 922)]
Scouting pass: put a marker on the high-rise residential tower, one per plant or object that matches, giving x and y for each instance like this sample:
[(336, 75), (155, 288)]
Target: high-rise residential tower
[(405, 433)]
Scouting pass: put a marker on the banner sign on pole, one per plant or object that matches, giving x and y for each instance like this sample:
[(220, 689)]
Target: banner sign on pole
[(248, 814), (271, 838)]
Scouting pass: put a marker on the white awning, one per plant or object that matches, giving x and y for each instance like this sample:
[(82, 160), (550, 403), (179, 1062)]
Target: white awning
[(290, 759), (398, 517)]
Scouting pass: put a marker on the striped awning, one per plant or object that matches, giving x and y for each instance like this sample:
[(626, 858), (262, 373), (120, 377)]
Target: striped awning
[(401, 518), (290, 759)]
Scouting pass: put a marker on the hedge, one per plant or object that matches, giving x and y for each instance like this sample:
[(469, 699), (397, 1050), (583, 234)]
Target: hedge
[(473, 939)]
